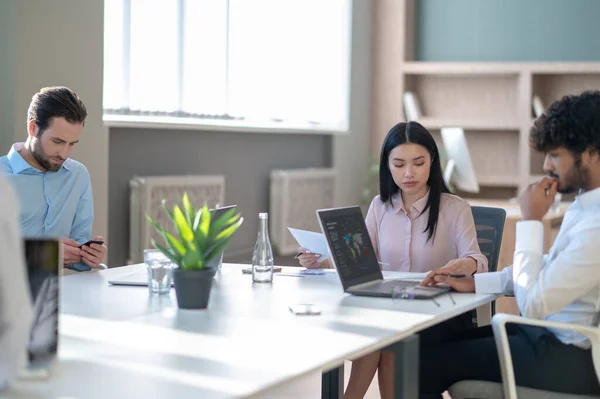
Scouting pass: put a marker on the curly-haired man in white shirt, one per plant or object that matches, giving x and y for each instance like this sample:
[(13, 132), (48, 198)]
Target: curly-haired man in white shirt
[(562, 286)]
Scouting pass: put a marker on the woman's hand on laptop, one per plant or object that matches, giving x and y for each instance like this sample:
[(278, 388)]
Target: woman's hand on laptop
[(444, 275), (466, 266), (309, 259)]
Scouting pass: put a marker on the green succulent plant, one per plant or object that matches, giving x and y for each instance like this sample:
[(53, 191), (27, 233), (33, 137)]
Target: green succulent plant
[(201, 238)]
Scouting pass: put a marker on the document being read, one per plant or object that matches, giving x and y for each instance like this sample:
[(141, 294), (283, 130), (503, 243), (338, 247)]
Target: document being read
[(314, 242)]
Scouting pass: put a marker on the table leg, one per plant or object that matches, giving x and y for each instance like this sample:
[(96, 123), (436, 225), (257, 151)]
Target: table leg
[(406, 367), (332, 383)]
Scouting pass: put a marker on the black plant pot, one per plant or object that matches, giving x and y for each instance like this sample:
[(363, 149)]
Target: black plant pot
[(192, 287)]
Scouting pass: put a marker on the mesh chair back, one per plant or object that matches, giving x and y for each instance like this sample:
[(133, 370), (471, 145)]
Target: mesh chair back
[(489, 223)]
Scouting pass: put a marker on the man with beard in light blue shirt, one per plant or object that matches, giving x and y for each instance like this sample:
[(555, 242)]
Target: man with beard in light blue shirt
[(54, 191)]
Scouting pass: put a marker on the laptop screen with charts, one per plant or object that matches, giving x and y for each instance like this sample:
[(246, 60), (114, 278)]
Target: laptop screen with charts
[(43, 258), (350, 245), (354, 258)]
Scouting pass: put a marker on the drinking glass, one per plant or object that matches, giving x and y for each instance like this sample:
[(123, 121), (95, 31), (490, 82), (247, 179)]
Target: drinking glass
[(160, 271)]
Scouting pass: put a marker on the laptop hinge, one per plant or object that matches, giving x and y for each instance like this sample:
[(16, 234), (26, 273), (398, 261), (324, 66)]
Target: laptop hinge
[(365, 285)]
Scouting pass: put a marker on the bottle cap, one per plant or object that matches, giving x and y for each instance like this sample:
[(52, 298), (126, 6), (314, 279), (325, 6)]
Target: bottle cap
[(263, 215)]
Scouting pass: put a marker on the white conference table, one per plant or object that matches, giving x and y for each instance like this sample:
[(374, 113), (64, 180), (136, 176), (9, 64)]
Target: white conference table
[(121, 342)]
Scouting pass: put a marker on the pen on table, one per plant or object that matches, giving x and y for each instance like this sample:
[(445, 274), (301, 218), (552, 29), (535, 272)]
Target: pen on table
[(457, 275)]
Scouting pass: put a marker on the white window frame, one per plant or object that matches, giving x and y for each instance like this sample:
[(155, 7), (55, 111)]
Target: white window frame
[(190, 123)]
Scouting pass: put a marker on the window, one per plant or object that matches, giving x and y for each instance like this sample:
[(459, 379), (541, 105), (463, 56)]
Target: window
[(247, 62)]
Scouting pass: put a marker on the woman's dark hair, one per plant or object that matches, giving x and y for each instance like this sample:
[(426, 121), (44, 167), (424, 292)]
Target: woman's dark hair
[(415, 133)]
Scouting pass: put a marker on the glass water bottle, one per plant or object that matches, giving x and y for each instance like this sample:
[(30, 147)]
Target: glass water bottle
[(262, 259)]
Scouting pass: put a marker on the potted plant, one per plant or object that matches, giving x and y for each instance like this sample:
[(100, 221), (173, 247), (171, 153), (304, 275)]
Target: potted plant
[(201, 240)]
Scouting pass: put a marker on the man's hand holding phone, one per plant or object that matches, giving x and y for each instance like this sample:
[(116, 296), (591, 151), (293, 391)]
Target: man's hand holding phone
[(71, 252), (90, 242), (93, 251)]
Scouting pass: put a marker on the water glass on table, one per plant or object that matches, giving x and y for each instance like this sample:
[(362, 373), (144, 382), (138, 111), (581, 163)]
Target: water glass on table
[(160, 271)]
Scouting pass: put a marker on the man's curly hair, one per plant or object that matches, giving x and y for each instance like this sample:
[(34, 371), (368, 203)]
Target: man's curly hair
[(572, 122)]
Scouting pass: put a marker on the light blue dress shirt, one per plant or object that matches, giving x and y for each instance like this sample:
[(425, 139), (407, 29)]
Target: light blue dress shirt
[(52, 204)]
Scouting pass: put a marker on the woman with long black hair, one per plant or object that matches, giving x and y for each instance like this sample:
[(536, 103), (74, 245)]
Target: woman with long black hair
[(416, 225)]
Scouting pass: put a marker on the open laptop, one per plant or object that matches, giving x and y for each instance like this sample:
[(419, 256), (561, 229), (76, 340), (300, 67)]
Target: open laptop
[(140, 279), (43, 259), (354, 258)]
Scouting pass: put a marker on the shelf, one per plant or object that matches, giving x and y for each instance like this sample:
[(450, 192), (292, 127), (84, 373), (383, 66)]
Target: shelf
[(567, 68), (469, 124), (534, 178), (550, 87), (498, 68), (461, 68), (536, 163), (489, 180), (491, 101), (458, 98)]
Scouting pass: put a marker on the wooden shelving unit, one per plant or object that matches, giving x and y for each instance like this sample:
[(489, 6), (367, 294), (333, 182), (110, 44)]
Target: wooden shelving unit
[(490, 101), (469, 124)]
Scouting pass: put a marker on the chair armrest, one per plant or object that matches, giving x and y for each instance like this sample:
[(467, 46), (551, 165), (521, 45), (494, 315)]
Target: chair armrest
[(499, 322)]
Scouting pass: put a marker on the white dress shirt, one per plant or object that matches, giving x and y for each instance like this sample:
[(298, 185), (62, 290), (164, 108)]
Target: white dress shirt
[(564, 285), (15, 300)]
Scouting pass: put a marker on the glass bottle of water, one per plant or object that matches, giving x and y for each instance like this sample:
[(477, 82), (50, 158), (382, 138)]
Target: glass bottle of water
[(262, 259)]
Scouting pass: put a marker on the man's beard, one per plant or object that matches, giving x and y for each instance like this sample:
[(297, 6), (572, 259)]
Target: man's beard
[(575, 180), (40, 156)]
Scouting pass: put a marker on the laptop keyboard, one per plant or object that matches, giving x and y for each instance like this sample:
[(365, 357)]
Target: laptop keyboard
[(389, 285)]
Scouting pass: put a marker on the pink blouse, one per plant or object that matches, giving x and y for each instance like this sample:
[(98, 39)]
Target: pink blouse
[(400, 240)]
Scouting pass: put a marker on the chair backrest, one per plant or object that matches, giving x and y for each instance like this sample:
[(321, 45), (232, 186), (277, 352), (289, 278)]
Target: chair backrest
[(489, 223)]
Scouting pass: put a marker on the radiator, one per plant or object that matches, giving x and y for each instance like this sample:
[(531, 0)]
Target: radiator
[(146, 197), (295, 196)]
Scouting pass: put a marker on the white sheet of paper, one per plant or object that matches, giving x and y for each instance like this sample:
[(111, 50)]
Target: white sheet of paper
[(314, 242)]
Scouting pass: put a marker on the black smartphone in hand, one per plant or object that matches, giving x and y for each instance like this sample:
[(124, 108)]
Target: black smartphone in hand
[(99, 242)]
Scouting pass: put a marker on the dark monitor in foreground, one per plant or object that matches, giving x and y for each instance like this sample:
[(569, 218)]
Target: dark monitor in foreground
[(43, 260)]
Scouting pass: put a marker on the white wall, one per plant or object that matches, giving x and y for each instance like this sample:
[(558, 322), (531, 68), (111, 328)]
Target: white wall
[(60, 42), (351, 152), (7, 73)]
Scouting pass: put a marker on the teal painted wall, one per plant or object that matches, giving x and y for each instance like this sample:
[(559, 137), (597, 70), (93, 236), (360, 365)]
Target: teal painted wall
[(508, 30), (7, 73)]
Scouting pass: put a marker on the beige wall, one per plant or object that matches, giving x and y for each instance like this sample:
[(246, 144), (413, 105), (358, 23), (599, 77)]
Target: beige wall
[(60, 42), (351, 152), (7, 73)]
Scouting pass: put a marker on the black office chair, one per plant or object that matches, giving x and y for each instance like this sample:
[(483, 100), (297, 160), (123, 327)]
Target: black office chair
[(489, 223)]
